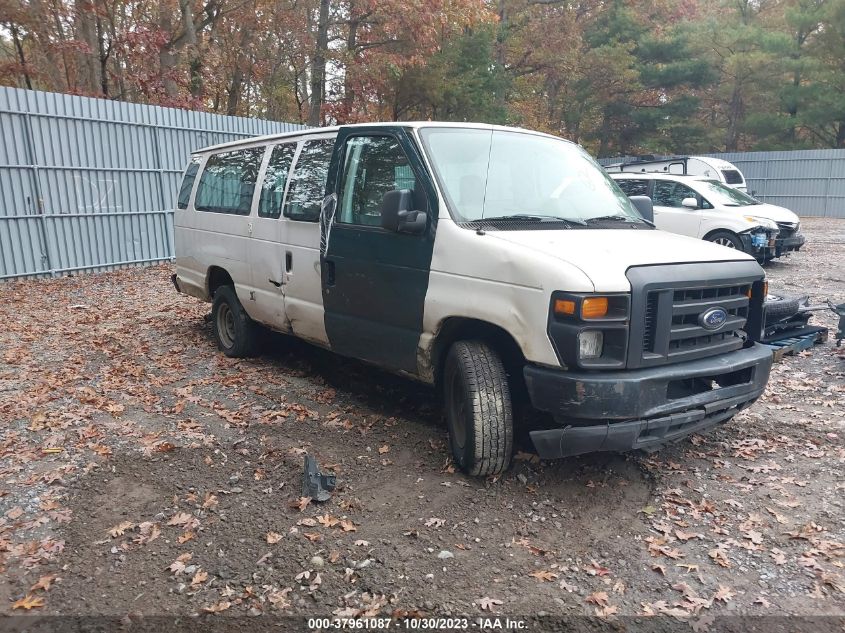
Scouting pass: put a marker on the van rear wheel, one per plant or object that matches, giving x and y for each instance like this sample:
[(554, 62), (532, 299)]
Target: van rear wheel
[(236, 334), (479, 412)]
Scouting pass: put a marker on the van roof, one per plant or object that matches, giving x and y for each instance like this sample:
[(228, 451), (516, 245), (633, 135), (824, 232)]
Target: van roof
[(324, 130), (659, 175)]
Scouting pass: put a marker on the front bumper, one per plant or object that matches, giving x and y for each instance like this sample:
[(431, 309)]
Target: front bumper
[(787, 244), (643, 408)]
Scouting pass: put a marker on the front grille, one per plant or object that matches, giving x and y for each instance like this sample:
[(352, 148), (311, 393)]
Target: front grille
[(668, 303), (686, 338)]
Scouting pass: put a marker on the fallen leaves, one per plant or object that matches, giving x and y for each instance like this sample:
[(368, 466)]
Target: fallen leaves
[(488, 604), (44, 583), (199, 578), (544, 576), (718, 555), (28, 602), (300, 504), (273, 537), (120, 529), (178, 566)]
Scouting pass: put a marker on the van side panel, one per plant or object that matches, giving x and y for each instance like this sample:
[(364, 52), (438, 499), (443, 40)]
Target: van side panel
[(205, 239), (485, 278)]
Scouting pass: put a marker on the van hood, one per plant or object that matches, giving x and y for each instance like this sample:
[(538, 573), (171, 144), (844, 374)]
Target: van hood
[(772, 212), (605, 255)]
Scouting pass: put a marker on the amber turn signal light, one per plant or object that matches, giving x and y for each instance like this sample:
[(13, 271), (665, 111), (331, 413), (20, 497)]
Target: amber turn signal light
[(594, 307), (564, 306)]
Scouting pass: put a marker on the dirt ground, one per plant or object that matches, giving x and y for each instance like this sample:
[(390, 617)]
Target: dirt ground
[(145, 473)]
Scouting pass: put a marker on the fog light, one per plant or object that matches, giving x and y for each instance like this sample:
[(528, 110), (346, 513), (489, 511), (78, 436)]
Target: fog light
[(590, 343)]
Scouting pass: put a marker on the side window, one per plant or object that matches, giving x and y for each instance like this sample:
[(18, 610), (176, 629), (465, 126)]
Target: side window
[(373, 165), (670, 194), (273, 187), (633, 187), (228, 181), (188, 183), (308, 181)]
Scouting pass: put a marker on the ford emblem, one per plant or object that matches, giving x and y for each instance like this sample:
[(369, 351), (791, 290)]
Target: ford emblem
[(713, 318)]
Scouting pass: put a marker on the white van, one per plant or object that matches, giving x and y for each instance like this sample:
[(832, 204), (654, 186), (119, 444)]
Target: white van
[(501, 265), (704, 166), (707, 209)]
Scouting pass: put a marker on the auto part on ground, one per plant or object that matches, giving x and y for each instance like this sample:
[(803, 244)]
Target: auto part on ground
[(787, 329), (316, 485), (840, 332)]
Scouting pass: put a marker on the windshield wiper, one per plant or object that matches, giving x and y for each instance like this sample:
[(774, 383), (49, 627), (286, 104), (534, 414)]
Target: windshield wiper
[(527, 217), (618, 218)]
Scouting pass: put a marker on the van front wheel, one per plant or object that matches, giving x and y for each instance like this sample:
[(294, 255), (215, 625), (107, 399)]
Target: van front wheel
[(479, 414), (236, 334)]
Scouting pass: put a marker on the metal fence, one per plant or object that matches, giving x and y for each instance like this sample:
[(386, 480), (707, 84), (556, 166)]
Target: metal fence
[(808, 182), (87, 184)]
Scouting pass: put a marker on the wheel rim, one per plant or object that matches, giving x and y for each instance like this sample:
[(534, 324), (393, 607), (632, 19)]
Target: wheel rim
[(457, 411), (724, 241), (226, 325)]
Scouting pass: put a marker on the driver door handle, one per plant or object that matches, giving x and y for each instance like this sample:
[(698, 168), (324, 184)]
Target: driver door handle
[(278, 284)]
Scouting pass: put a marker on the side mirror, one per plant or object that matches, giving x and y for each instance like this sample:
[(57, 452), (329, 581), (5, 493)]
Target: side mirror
[(397, 213), (644, 206), (689, 203)]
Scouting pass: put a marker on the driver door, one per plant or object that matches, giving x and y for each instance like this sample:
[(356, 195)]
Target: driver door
[(669, 214), (375, 279)]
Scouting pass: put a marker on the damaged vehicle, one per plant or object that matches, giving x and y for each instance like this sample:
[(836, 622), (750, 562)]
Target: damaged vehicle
[(705, 208), (500, 265)]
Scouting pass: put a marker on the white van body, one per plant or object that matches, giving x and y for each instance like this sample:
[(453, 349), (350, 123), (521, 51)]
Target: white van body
[(492, 262), (705, 208), (703, 166)]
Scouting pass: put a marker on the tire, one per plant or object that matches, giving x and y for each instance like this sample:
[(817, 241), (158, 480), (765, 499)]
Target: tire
[(479, 412), (236, 334), (779, 308), (727, 239)]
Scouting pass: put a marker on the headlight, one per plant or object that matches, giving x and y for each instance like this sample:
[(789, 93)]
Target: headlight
[(764, 222), (590, 344), (590, 330)]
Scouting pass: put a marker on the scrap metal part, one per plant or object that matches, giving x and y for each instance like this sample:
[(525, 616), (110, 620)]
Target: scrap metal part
[(315, 484)]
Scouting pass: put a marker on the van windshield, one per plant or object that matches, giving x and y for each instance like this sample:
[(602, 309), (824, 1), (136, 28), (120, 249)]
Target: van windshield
[(721, 194), (490, 175)]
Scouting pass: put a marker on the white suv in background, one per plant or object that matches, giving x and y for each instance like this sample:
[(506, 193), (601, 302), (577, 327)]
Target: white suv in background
[(710, 210)]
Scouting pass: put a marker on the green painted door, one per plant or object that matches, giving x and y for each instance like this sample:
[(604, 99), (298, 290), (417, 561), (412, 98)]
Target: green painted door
[(374, 279)]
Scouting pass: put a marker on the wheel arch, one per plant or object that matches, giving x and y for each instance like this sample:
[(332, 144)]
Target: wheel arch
[(454, 329), (710, 234), (216, 277)]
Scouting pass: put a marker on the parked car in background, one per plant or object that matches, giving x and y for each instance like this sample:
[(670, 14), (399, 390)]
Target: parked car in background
[(500, 265), (710, 210), (704, 166)]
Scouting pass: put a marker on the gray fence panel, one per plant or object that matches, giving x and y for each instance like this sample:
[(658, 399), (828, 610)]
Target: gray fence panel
[(809, 182), (88, 184)]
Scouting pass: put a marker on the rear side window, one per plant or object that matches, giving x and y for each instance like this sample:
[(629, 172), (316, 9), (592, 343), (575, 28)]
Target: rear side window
[(273, 188), (308, 182), (732, 176), (188, 183), (228, 181), (633, 187)]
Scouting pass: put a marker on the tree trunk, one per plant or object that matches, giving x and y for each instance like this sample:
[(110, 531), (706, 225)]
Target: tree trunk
[(167, 56), (89, 58), (318, 66), (348, 85), (21, 58), (736, 114)]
